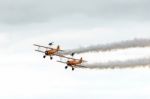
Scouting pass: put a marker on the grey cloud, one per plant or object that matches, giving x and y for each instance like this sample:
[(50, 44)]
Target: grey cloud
[(29, 11)]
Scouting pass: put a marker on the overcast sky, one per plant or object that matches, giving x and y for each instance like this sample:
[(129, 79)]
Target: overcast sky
[(37, 11), (24, 74)]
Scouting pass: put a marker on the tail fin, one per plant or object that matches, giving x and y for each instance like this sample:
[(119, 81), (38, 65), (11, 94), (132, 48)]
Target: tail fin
[(58, 47), (81, 60)]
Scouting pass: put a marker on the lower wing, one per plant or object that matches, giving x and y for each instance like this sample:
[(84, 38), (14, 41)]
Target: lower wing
[(40, 51), (61, 62)]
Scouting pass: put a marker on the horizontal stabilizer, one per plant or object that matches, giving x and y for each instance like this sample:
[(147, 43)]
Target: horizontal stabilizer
[(80, 66)]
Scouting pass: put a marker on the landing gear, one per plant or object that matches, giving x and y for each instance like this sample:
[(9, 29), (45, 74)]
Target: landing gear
[(51, 58), (44, 56), (66, 67), (72, 69)]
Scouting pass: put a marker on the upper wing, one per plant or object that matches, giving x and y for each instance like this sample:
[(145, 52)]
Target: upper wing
[(45, 47), (69, 57), (60, 55), (42, 46), (73, 58)]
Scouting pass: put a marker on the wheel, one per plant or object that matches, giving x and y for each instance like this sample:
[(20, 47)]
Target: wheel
[(51, 58), (72, 69), (44, 56), (66, 67)]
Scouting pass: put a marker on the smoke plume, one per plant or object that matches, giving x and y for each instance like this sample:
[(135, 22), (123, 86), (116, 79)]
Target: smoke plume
[(120, 64), (110, 46)]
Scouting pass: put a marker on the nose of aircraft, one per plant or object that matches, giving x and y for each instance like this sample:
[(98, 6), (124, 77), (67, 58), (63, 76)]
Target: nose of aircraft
[(46, 52), (67, 62)]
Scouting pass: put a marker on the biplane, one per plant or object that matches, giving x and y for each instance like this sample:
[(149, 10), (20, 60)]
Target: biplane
[(49, 50), (73, 63)]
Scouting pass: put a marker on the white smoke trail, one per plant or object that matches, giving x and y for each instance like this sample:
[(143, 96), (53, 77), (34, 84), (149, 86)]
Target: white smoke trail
[(120, 64), (111, 46)]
